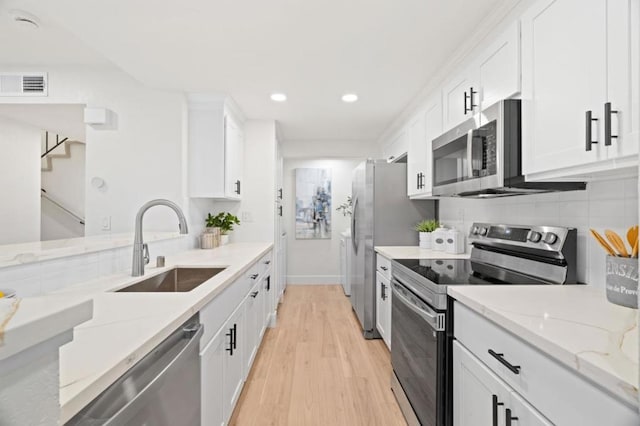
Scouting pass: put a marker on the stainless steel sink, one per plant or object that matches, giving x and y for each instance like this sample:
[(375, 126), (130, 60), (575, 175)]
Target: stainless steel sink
[(176, 280)]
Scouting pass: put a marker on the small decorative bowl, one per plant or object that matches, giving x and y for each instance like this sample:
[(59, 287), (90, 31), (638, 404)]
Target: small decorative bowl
[(622, 281)]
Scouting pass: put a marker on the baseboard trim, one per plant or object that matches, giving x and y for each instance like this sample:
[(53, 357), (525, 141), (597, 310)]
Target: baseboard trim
[(313, 279)]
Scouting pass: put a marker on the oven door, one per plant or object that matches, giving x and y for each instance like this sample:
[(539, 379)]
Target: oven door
[(417, 354)]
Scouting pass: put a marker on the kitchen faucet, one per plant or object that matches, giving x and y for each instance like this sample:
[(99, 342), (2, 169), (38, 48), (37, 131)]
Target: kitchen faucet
[(140, 249)]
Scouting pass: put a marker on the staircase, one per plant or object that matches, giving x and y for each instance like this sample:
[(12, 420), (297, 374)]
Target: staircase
[(49, 155)]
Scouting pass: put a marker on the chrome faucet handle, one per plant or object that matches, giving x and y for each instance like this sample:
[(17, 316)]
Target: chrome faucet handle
[(145, 255)]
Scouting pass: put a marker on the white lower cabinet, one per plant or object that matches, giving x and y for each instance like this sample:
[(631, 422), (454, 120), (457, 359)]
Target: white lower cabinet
[(482, 398), (383, 308), (253, 318), (223, 371)]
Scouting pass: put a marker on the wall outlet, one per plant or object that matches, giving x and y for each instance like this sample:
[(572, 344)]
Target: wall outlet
[(247, 217), (105, 222)]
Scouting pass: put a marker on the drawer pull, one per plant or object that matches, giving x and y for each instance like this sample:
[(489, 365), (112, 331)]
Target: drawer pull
[(254, 276), (384, 268), (509, 418), (495, 406), (515, 369)]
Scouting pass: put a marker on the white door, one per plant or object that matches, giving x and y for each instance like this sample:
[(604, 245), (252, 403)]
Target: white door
[(460, 98), (212, 360), (233, 361), (479, 396), (417, 155), (564, 75), (499, 67), (523, 414), (623, 53), (232, 158)]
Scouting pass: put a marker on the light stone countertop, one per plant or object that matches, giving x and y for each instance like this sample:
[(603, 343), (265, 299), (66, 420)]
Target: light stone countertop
[(127, 326), (576, 325), (25, 322), (415, 252), (20, 254)]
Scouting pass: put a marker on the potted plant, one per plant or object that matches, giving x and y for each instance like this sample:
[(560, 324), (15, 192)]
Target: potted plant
[(345, 208), (425, 228), (223, 220)]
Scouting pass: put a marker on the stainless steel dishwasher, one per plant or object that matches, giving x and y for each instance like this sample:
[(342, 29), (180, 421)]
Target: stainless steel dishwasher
[(163, 389)]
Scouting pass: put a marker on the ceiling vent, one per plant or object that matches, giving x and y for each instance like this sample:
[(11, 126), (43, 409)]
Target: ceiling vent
[(23, 84)]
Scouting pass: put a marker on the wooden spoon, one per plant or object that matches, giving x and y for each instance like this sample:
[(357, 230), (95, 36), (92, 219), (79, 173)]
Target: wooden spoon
[(617, 242), (632, 236), (605, 245)]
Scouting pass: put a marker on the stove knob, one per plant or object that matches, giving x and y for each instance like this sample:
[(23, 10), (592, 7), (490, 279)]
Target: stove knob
[(534, 236), (550, 238), (483, 231), (474, 230)]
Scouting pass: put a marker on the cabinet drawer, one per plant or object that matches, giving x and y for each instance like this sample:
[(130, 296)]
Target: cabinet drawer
[(383, 265), (264, 264), (214, 314), (557, 392)]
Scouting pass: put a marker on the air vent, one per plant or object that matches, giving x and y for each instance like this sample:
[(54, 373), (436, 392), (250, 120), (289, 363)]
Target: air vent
[(23, 84)]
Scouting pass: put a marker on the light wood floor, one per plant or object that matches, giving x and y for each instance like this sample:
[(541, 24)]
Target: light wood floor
[(315, 368)]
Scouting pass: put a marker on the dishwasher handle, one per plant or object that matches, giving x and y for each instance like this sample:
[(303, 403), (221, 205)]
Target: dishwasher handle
[(193, 332)]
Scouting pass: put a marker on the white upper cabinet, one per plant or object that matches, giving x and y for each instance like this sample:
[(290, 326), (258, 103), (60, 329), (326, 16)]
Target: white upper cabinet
[(396, 147), (494, 75), (216, 149), (421, 130), (575, 59)]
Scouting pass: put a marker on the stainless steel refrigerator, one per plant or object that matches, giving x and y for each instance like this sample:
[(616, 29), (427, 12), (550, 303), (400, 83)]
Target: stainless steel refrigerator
[(383, 215)]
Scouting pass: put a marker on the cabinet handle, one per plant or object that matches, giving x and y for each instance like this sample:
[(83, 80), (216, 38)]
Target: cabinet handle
[(470, 97), (279, 210), (417, 180), (391, 157), (230, 335), (254, 276), (383, 291), (465, 103), (237, 191), (587, 131), (421, 180), (268, 286), (515, 369), (509, 418), (235, 336), (607, 124), (267, 262), (280, 193), (384, 268), (471, 104), (254, 294), (495, 404)]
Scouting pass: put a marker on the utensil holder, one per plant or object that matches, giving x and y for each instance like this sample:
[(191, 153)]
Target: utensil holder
[(622, 281), (210, 238)]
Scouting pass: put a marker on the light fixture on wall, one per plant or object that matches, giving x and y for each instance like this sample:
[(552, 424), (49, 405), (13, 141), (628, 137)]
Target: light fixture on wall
[(278, 97), (24, 19), (349, 98)]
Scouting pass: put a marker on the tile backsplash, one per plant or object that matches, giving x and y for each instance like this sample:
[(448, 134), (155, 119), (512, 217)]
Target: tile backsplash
[(611, 204), (37, 278)]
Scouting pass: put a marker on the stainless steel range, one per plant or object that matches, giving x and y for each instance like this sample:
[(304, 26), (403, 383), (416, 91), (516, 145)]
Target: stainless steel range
[(422, 321)]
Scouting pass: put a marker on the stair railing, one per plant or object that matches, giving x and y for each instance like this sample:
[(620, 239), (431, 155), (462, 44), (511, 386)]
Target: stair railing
[(57, 203), (47, 150)]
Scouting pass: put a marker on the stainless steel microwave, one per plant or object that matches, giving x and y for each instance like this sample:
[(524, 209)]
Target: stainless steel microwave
[(482, 157)]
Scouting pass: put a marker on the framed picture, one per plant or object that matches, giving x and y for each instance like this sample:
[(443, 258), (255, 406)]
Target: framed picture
[(313, 204)]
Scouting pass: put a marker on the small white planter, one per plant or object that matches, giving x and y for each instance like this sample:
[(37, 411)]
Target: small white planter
[(425, 240), (224, 239)]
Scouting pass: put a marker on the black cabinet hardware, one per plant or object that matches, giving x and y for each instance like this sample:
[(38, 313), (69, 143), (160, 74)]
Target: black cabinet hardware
[(237, 191), (607, 124), (254, 276), (254, 294), (384, 268), (509, 418), (470, 98), (417, 180), (515, 369), (235, 336), (268, 286), (279, 210), (267, 262), (383, 291), (494, 414), (391, 157), (230, 335), (280, 193), (587, 131)]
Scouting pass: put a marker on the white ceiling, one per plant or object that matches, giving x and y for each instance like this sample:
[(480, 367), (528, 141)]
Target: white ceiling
[(65, 120), (314, 51)]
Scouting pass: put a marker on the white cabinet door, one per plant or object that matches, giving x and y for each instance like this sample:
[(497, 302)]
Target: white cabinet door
[(417, 156), (460, 98), (383, 313), (623, 51), (479, 396), (252, 327), (499, 68), (522, 413), (234, 152), (212, 360), (397, 147), (433, 129), (233, 361), (564, 75)]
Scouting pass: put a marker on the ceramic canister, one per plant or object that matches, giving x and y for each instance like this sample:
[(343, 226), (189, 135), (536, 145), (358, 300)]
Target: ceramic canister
[(455, 242), (438, 239)]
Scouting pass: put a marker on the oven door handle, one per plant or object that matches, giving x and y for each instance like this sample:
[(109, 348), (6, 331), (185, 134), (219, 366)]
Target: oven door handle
[(434, 319)]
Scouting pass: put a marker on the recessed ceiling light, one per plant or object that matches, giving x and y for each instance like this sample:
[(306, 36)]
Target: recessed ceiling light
[(24, 19), (278, 97), (349, 97)]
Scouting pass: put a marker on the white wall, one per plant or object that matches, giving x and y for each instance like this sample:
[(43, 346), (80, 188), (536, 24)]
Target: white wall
[(139, 158), (604, 205), (330, 149), (316, 261), (19, 182)]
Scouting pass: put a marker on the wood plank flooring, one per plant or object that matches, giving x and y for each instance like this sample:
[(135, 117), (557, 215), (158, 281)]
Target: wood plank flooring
[(315, 368)]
